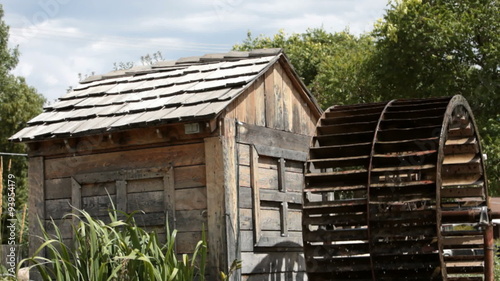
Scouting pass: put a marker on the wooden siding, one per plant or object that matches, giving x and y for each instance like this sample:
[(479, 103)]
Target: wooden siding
[(155, 180), (274, 101)]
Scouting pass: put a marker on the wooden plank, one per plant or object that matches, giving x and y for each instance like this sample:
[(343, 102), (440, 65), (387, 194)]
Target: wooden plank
[(186, 242), (121, 174), (180, 155), (243, 154), (245, 198), (246, 219), (76, 199), (98, 189), (190, 176), (230, 170), (278, 242), (247, 241), (260, 102), (56, 209), (272, 262), (287, 103), (191, 198), (121, 196), (250, 134), (57, 188), (169, 197), (250, 105), (254, 176), (244, 176), (215, 210), (98, 205), (270, 99), (192, 220), (278, 152), (144, 185), (279, 99), (148, 202)]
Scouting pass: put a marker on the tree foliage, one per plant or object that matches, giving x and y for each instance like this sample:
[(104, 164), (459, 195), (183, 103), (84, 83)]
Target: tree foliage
[(18, 104), (420, 48)]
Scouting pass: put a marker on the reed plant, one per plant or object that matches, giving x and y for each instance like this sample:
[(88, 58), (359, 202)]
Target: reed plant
[(116, 250)]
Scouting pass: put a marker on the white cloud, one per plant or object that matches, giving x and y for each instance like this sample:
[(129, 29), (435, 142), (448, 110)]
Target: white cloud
[(85, 37)]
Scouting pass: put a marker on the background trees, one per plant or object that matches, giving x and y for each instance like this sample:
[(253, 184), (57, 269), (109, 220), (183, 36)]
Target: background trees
[(18, 104), (421, 48)]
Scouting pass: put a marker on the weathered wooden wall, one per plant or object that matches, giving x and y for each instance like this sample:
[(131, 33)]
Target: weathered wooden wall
[(241, 177), (155, 180), (275, 101)]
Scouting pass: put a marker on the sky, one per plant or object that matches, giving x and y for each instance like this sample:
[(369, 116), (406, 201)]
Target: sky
[(62, 41)]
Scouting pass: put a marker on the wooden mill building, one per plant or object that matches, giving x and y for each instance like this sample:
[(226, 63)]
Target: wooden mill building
[(217, 140)]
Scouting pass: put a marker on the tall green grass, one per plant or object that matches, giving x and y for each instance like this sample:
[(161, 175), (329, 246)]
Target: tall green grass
[(119, 250)]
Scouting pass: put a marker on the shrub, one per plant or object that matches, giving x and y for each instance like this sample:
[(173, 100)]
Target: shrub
[(118, 250)]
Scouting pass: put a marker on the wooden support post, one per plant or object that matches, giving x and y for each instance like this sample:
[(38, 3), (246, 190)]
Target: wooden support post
[(254, 168), (121, 196), (489, 250), (76, 195), (169, 196), (215, 207), (37, 207)]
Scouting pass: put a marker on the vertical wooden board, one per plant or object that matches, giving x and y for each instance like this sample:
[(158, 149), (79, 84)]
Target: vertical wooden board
[(255, 175), (121, 196), (231, 193), (244, 176), (278, 92), (247, 241), (294, 182), (296, 117), (246, 219), (287, 103), (260, 102), (169, 204), (76, 198), (245, 201), (215, 209), (270, 99), (241, 108), (243, 154), (250, 105), (36, 201)]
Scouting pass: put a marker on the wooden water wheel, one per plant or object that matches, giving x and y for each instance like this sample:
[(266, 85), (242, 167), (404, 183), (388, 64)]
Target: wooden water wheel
[(396, 191)]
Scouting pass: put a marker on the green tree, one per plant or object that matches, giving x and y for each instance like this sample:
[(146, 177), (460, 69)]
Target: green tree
[(440, 48), (330, 64), (421, 48), (18, 104)]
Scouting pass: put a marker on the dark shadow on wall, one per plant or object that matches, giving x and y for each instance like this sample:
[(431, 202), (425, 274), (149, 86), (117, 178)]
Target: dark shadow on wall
[(284, 262)]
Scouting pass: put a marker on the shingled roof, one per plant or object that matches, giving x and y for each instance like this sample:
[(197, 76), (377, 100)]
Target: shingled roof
[(193, 88)]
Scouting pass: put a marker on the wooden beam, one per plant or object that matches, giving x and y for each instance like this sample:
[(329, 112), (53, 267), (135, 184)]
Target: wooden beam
[(215, 208), (36, 205), (230, 170), (169, 196), (256, 135), (76, 199), (121, 195), (254, 174)]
